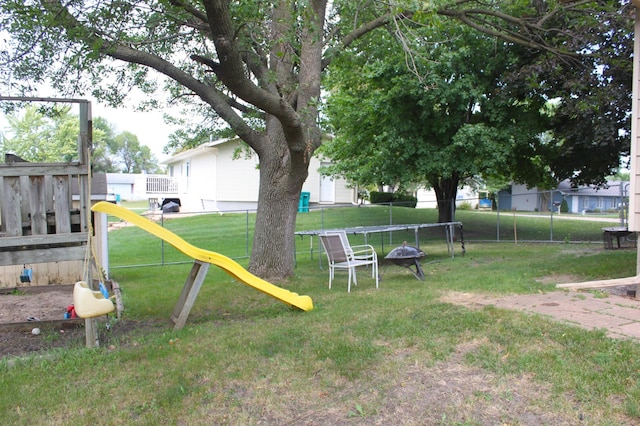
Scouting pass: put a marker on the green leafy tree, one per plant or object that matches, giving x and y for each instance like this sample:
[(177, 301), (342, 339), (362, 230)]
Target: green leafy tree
[(254, 64), (510, 129), (131, 156), (590, 124), (37, 138), (120, 152), (102, 159), (443, 129)]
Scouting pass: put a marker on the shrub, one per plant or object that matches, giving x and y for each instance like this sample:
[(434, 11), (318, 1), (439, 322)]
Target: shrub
[(398, 198), (380, 197)]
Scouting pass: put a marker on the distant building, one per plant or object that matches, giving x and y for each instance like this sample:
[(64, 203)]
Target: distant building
[(593, 199), (427, 198), (586, 198), (213, 177), (127, 186), (583, 199)]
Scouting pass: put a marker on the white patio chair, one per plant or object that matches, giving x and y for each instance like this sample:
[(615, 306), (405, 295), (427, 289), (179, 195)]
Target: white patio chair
[(342, 256), (361, 252)]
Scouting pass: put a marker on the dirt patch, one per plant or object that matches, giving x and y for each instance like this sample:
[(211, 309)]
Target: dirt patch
[(468, 300), (448, 392), (559, 279), (41, 306), (452, 392), (34, 322), (22, 312)]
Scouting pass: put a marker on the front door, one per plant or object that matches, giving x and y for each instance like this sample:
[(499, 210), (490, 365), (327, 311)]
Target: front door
[(327, 189)]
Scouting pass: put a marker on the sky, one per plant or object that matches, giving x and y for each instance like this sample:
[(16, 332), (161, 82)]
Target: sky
[(149, 127)]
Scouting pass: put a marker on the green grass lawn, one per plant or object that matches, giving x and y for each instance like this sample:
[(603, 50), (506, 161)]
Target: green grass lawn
[(396, 355), (232, 234)]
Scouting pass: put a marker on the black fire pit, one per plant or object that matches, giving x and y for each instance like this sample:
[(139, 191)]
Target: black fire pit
[(408, 256)]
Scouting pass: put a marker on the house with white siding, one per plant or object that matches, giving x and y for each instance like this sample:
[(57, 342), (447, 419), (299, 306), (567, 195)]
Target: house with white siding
[(127, 186), (223, 175)]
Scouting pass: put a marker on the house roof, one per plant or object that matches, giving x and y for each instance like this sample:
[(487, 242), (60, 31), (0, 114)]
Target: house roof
[(98, 185), (99, 190), (612, 189), (197, 150)]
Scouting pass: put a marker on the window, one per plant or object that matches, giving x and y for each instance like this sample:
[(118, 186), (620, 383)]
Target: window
[(188, 174)]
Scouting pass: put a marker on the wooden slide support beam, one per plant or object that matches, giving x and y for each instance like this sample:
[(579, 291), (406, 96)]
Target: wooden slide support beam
[(189, 293)]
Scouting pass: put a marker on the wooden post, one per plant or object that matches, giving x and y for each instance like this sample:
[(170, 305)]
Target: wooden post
[(189, 293), (634, 193)]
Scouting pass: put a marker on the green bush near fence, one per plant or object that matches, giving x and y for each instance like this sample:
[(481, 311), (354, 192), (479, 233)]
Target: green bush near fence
[(399, 198)]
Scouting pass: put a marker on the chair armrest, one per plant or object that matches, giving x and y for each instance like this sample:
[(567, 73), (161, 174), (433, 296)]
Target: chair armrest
[(364, 247), (363, 251)]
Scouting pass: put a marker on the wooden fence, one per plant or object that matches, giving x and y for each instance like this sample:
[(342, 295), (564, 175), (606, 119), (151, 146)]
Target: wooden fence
[(40, 229)]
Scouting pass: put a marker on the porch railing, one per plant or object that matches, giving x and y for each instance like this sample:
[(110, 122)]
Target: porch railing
[(159, 184)]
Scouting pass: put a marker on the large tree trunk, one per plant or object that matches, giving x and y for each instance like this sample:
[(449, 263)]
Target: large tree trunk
[(282, 174), (446, 190)]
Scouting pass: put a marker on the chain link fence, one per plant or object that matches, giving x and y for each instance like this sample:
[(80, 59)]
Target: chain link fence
[(231, 232)]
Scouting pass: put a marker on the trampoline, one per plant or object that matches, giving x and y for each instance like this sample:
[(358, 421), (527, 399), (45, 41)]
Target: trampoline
[(449, 228)]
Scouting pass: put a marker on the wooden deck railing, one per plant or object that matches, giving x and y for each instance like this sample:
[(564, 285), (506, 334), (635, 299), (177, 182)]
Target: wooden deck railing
[(37, 220), (159, 184)]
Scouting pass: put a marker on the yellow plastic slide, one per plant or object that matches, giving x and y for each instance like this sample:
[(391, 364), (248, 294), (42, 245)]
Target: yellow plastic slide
[(227, 264)]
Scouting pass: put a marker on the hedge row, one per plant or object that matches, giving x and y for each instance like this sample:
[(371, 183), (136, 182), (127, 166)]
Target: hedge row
[(396, 198)]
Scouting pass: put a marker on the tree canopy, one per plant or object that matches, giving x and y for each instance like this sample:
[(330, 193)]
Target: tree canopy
[(452, 124), (524, 115), (34, 137), (254, 64)]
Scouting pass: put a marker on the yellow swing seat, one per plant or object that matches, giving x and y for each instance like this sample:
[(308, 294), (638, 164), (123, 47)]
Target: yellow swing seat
[(89, 303)]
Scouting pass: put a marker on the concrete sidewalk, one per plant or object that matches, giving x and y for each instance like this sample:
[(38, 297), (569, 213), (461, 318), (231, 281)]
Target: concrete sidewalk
[(620, 316)]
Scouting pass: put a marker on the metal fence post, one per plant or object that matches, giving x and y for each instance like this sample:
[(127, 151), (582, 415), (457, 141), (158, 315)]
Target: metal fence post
[(247, 233), (453, 210), (161, 240), (497, 221), (390, 222)]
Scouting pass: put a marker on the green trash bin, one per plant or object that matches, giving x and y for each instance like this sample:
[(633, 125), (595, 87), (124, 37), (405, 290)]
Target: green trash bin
[(303, 205)]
